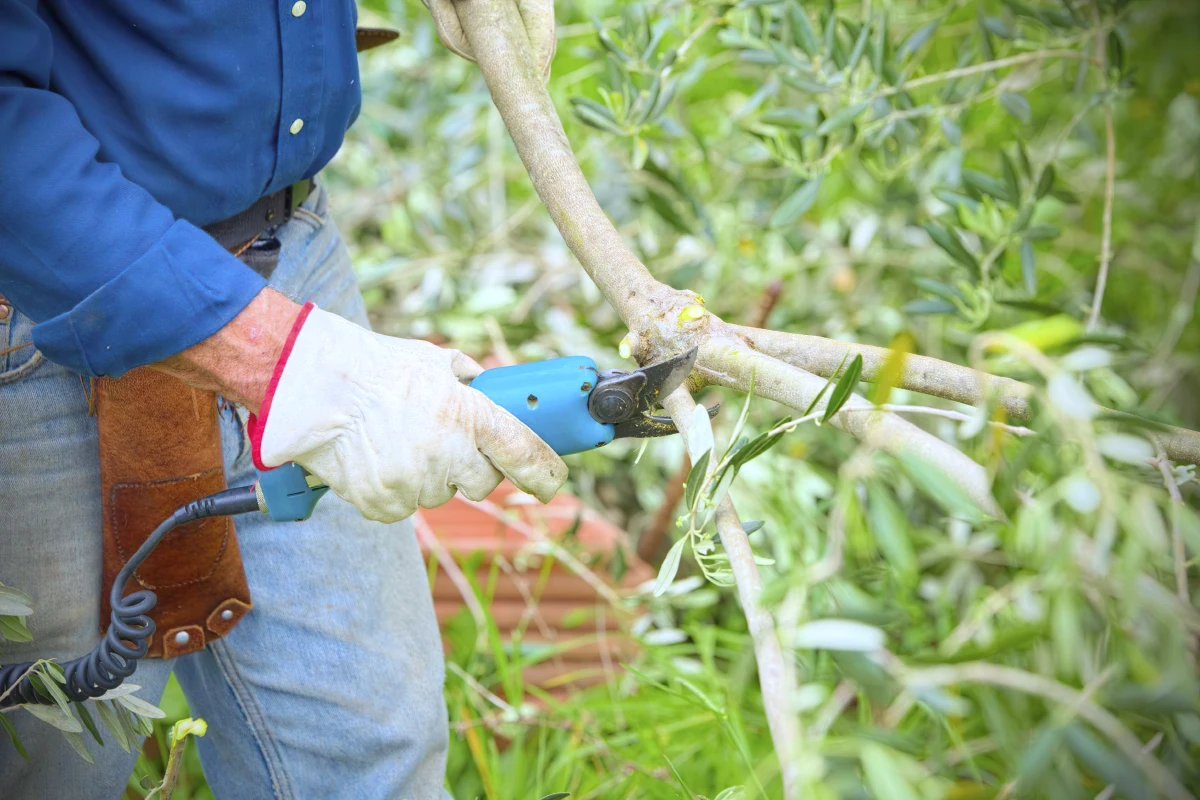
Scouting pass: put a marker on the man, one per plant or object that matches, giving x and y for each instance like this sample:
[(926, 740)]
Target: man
[(135, 138)]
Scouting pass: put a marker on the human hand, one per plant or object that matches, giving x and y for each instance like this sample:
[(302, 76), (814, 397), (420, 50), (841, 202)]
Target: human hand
[(387, 423), (538, 16)]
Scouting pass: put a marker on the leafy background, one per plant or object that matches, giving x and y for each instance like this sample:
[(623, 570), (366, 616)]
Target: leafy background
[(756, 149)]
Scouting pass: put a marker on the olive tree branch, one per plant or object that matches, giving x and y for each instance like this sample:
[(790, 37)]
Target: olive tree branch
[(776, 671), (1110, 161), (931, 376), (996, 675), (724, 363), (501, 47), (664, 321), (1179, 552), (986, 66), (921, 373)]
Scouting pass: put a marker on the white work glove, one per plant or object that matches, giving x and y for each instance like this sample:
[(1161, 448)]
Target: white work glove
[(386, 424), (538, 16)]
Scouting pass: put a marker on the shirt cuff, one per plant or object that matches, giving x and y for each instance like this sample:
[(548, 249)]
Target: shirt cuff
[(181, 291)]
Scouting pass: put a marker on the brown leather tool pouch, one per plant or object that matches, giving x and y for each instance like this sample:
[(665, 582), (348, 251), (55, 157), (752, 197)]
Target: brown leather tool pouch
[(160, 447)]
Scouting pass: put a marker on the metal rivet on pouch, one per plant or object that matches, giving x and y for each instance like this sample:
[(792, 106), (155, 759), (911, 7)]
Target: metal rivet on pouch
[(227, 615), (182, 638)]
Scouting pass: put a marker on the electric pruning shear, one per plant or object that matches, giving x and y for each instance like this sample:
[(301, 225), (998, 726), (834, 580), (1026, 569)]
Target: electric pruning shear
[(568, 402)]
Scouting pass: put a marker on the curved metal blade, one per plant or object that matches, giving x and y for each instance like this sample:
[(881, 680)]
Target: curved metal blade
[(663, 378)]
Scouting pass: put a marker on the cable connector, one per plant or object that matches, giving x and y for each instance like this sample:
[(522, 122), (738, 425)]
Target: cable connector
[(239, 500)]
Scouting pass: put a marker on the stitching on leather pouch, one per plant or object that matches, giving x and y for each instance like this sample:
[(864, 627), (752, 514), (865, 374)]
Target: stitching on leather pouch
[(125, 556)]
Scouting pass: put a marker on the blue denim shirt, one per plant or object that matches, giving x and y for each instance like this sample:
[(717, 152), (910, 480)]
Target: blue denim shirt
[(124, 125)]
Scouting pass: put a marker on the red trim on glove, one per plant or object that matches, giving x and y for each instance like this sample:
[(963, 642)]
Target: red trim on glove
[(256, 425)]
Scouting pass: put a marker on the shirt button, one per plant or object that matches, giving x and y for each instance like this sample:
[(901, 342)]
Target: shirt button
[(298, 8), (5, 311), (297, 126)]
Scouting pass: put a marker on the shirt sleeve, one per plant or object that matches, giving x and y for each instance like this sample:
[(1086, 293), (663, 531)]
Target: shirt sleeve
[(108, 274)]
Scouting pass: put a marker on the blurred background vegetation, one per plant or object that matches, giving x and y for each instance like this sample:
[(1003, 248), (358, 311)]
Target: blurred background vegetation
[(764, 151)]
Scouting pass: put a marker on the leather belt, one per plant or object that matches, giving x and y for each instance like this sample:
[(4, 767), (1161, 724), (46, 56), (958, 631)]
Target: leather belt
[(241, 231)]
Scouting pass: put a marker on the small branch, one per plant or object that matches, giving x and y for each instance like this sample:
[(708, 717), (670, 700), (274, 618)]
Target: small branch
[(996, 675), (554, 548), (13, 686), (835, 547), (842, 695), (1110, 160), (480, 689), (427, 537), (989, 608), (1111, 789), (898, 408), (1185, 304), (766, 303), (500, 346), (921, 373), (929, 376), (986, 66), (727, 364), (776, 673), (1178, 550), (166, 789)]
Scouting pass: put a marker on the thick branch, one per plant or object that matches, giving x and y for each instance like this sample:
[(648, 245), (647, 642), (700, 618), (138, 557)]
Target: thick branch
[(727, 364), (932, 377), (501, 47), (776, 673), (921, 373)]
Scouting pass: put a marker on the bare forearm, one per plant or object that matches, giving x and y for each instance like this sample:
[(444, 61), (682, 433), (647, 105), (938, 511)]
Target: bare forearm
[(237, 361)]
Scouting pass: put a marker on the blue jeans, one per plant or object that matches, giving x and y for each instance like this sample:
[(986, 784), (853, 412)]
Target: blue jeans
[(330, 687)]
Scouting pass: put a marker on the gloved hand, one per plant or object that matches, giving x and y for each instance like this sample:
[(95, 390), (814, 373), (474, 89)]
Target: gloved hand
[(387, 425), (538, 16)]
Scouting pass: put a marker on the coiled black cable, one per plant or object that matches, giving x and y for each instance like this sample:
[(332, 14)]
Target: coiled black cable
[(127, 639)]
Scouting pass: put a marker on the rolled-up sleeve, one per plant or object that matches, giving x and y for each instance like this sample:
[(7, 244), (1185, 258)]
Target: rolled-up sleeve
[(108, 274)]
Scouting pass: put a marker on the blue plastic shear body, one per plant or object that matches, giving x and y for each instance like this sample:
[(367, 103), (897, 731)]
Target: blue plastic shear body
[(551, 398)]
